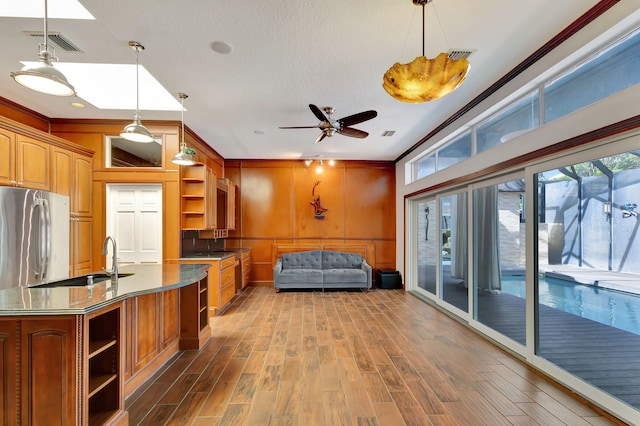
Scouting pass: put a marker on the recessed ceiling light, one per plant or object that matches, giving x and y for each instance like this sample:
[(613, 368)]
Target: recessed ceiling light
[(221, 47), (77, 105), (113, 86), (62, 9)]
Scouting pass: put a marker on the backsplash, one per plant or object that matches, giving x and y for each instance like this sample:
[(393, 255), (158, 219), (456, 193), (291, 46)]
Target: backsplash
[(191, 242)]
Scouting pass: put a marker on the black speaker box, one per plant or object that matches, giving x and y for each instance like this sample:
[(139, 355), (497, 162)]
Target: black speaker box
[(388, 279)]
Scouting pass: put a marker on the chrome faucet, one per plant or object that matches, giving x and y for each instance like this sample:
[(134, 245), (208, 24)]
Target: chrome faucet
[(113, 273)]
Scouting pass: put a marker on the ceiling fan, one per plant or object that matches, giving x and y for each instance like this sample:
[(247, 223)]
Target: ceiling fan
[(330, 127)]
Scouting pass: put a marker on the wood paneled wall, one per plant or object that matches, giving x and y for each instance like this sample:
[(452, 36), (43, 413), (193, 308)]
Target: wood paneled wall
[(274, 209), (92, 135)]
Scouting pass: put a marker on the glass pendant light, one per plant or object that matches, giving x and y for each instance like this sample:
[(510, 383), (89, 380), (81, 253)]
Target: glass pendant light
[(184, 157), (135, 131), (43, 77)]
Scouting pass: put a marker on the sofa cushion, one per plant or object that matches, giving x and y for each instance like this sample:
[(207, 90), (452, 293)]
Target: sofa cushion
[(337, 259), (302, 260), (345, 275), (301, 276)]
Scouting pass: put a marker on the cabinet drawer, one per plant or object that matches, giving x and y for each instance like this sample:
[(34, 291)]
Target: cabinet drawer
[(227, 293), (226, 276), (228, 262)]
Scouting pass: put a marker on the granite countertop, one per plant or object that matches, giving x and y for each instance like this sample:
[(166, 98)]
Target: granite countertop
[(212, 254), (82, 300)]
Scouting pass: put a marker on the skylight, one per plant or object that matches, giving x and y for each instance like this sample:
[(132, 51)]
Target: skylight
[(63, 9), (113, 86)]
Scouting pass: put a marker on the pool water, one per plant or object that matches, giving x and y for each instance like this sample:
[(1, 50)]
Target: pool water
[(614, 308)]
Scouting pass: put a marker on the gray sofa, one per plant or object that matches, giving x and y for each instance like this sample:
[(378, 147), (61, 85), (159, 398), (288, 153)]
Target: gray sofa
[(321, 269)]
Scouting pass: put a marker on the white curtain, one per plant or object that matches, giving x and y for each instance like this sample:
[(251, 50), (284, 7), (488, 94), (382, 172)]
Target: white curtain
[(487, 230), (459, 251)]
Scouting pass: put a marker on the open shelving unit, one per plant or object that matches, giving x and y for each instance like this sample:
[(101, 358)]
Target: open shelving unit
[(103, 366), (193, 196), (204, 307)]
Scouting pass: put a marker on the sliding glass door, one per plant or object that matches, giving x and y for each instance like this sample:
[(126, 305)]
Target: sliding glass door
[(454, 259), (588, 283), (499, 258), (427, 245)]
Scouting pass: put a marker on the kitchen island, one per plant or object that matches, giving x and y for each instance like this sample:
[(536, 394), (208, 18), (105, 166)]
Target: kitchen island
[(71, 355), (228, 273)]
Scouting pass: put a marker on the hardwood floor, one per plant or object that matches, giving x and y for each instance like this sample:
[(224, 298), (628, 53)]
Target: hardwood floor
[(349, 358)]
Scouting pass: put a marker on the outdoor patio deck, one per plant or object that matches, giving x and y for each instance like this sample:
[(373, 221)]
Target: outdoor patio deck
[(602, 355)]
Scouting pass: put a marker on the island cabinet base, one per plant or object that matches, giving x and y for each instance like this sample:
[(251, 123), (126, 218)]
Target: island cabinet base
[(158, 325), (62, 370)]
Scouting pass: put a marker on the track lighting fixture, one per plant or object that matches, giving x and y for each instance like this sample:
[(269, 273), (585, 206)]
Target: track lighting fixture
[(320, 161)]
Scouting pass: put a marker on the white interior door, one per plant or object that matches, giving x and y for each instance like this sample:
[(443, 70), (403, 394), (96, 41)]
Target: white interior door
[(134, 220)]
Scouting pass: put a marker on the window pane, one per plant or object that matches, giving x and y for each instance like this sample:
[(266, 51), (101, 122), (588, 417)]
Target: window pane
[(588, 286), (499, 264), (454, 152), (454, 259), (427, 245), (508, 123), (609, 72), (426, 166)]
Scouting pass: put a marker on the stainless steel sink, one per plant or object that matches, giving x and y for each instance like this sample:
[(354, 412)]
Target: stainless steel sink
[(81, 280)]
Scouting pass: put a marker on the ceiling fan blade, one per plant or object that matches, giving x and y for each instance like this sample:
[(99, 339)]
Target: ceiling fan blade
[(319, 114), (357, 118), (298, 127), (354, 133), (320, 137)]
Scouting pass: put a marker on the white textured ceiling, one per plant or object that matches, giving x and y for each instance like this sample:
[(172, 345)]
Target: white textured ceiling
[(286, 55)]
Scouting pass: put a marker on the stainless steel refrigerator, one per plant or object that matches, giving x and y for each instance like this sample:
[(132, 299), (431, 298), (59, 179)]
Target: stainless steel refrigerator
[(34, 237)]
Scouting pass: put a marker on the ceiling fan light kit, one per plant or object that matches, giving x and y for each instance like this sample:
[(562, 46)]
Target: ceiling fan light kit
[(44, 77), (425, 79), (135, 131)]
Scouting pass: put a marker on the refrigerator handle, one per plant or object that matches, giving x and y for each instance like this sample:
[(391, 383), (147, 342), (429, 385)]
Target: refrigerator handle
[(37, 210), (46, 240)]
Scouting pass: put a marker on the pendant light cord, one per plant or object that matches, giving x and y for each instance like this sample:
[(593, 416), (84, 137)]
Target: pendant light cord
[(423, 19), (46, 28), (137, 84), (183, 145)]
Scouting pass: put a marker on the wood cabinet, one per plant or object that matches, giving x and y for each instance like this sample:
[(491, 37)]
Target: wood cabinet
[(71, 175), (47, 378), (159, 324), (105, 400), (231, 205), (24, 161), (221, 282), (245, 267), (198, 197)]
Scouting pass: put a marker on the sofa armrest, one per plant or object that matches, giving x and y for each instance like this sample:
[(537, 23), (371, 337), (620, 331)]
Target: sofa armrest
[(367, 268), (276, 272)]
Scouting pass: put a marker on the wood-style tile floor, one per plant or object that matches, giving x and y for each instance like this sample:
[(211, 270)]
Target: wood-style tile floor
[(349, 358)]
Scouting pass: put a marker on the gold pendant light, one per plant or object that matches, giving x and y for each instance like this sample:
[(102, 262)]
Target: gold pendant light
[(425, 79), (135, 131), (185, 156), (44, 77)]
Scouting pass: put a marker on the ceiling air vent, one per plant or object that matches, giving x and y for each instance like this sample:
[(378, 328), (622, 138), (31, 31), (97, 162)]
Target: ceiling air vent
[(456, 54), (388, 133), (57, 40)]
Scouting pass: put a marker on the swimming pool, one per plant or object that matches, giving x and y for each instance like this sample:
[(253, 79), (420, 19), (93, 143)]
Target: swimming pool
[(610, 307)]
